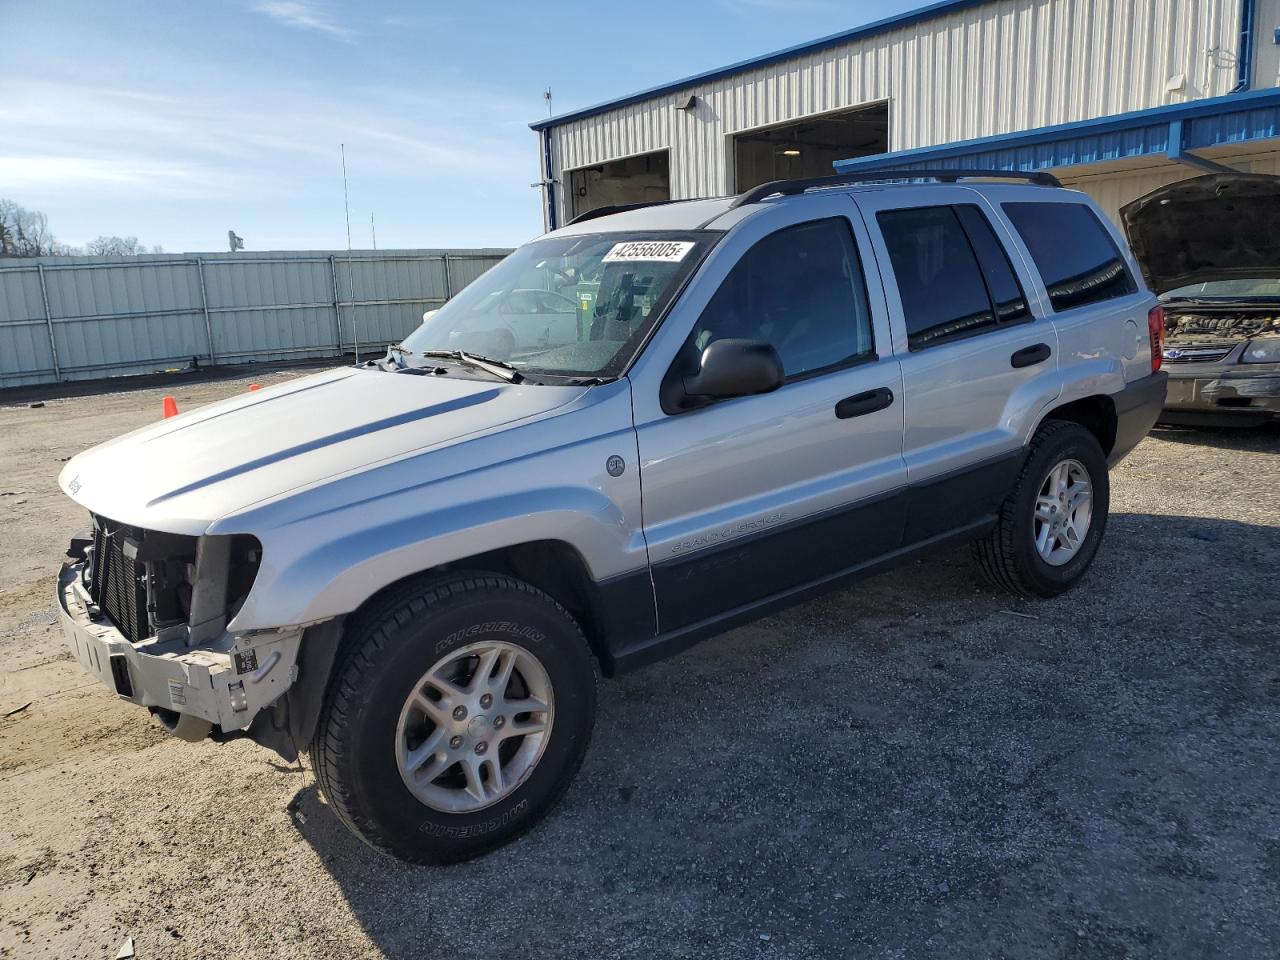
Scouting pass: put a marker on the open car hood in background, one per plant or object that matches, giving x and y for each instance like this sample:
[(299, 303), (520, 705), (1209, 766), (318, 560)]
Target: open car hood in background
[(1225, 226)]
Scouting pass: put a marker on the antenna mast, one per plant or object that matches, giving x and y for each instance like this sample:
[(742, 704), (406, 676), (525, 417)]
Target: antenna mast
[(351, 284)]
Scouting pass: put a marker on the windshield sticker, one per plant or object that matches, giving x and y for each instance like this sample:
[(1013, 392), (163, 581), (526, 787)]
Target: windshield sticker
[(663, 251)]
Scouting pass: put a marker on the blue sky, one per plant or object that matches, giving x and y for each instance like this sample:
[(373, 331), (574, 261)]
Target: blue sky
[(176, 121)]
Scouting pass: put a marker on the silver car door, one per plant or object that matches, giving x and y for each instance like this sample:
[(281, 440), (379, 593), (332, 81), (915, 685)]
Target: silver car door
[(757, 497)]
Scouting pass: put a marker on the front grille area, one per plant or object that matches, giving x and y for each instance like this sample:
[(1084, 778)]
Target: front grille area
[(118, 583), (1196, 354)]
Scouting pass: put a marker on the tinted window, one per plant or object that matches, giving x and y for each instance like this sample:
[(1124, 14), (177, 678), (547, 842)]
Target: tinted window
[(1076, 257), (801, 290), (939, 281), (1002, 284)]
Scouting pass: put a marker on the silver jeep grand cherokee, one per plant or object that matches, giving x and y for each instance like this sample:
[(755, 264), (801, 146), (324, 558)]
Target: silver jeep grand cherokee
[(700, 413)]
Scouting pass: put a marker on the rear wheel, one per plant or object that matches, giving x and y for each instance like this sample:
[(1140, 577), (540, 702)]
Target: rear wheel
[(1051, 524), (459, 715)]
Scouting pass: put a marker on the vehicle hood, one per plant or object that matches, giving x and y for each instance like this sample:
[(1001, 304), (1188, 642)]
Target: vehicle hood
[(1217, 227), (184, 473)]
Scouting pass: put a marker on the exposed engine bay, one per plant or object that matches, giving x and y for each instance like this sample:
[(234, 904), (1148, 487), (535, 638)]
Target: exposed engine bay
[(1213, 379), (1218, 325)]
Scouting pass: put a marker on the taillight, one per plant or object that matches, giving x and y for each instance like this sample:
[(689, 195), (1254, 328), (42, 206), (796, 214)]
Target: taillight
[(1155, 326)]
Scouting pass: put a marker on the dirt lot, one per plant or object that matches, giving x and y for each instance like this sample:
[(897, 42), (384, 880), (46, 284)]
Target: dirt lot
[(918, 767)]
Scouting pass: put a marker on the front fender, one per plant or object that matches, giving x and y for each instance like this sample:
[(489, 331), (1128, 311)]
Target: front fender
[(326, 550), (335, 575)]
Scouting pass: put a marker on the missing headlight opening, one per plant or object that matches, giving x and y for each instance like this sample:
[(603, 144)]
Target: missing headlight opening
[(155, 584)]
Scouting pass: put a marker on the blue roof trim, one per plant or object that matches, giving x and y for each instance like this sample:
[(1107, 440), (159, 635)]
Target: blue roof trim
[(1234, 118), (1237, 127), (833, 40)]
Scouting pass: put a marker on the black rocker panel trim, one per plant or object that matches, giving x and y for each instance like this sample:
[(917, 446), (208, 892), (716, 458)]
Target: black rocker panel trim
[(754, 576), (956, 499), (624, 659), (780, 558), (624, 614)]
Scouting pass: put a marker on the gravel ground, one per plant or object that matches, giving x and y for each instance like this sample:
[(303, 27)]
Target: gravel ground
[(916, 767)]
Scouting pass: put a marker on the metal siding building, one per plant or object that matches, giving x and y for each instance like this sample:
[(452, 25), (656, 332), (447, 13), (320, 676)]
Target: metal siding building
[(956, 71)]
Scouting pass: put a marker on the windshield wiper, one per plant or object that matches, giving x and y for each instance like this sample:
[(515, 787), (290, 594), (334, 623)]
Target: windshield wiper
[(497, 368)]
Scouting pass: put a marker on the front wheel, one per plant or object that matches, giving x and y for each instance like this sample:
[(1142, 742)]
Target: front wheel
[(460, 713), (1051, 524)]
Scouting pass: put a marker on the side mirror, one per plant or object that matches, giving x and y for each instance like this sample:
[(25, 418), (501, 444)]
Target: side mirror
[(736, 368)]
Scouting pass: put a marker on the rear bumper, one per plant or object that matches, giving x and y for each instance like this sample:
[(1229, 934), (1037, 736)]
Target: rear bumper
[(193, 689), (1236, 392), (1138, 406)]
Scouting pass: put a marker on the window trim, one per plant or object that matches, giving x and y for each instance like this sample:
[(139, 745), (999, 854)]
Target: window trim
[(1008, 262), (1134, 286), (870, 355), (997, 324)]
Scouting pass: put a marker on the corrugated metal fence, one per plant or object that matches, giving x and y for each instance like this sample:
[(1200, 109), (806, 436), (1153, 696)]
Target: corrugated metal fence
[(77, 318)]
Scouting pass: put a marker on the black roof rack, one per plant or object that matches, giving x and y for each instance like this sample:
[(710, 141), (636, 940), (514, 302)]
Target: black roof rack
[(616, 208), (789, 188)]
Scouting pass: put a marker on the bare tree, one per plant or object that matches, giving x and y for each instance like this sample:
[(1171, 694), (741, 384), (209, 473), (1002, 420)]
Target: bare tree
[(119, 247), (114, 247), (25, 233)]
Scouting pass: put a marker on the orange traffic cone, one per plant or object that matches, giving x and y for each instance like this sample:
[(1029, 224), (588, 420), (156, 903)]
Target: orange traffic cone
[(254, 386), (170, 407)]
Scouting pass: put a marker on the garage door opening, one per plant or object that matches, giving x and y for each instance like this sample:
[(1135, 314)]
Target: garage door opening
[(808, 147), (640, 179)]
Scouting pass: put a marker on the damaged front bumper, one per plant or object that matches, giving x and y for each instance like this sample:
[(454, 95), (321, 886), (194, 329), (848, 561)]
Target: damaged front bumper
[(216, 687), (1219, 391)]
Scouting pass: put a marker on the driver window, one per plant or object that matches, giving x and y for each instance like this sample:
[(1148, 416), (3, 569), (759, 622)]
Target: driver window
[(801, 290)]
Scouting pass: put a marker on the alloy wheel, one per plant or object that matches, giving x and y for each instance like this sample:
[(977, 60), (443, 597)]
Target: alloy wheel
[(1063, 512), (474, 726)]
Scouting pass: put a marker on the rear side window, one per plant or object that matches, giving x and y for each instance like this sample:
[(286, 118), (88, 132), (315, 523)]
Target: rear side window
[(953, 277), (1077, 259)]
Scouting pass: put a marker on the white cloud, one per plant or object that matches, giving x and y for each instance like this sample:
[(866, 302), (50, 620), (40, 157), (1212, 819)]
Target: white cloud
[(88, 138), (303, 15), (104, 156), (43, 172)]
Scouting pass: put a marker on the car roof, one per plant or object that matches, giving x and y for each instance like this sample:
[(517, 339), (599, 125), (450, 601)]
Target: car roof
[(676, 215), (710, 214)]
